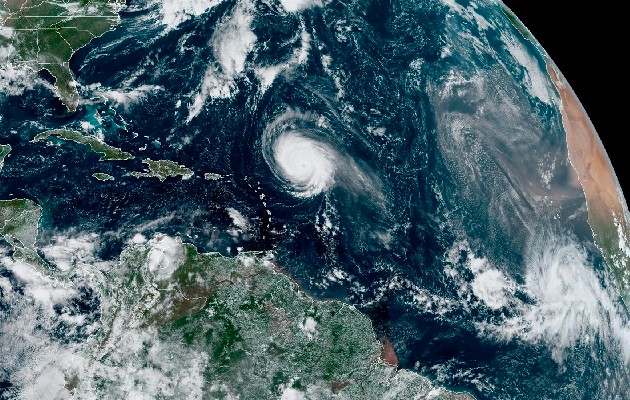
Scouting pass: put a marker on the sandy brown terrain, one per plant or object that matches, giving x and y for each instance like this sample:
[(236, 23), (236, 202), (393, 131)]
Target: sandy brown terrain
[(596, 175), (588, 155)]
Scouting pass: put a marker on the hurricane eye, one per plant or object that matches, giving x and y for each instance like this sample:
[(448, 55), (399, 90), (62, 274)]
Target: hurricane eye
[(304, 163)]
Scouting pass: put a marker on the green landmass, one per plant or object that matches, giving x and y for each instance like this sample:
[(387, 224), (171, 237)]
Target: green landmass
[(109, 153), (176, 323), (5, 149), (102, 176), (209, 176), (183, 324), (44, 34), (612, 239), (163, 169), (19, 225)]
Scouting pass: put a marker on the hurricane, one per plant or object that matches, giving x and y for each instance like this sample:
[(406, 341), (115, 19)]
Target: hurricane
[(304, 153), (308, 165), (300, 149), (293, 199)]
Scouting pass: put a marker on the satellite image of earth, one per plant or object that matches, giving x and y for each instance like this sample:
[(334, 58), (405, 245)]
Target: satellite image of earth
[(301, 199)]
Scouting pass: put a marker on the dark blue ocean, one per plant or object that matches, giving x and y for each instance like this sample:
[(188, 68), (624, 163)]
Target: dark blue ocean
[(385, 244)]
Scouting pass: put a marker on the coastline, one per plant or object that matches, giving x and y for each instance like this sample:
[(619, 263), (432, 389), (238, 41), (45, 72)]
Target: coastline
[(607, 209)]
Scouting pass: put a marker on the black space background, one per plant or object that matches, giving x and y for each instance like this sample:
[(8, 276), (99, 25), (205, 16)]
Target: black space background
[(589, 41)]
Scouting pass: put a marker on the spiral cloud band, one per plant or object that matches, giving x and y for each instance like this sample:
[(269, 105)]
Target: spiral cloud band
[(308, 165), (302, 151), (299, 153)]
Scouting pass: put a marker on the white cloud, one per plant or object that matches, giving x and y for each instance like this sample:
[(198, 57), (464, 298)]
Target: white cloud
[(535, 79), (238, 219), (14, 80), (568, 304), (138, 238), (165, 256), (560, 304), (299, 5), (231, 43), (127, 98), (155, 223), (37, 364), (67, 252), (292, 394), (174, 12), (44, 290), (493, 288), (309, 327)]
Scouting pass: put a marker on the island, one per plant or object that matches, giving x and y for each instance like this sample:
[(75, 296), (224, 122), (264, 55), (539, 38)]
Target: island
[(109, 153), (163, 169), (102, 176), (209, 176), (5, 149), (44, 34)]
